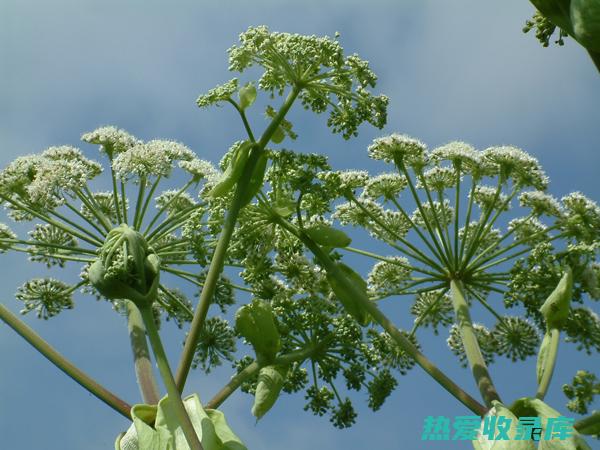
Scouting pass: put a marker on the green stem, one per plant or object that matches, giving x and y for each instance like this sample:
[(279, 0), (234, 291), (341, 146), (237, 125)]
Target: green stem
[(115, 193), (63, 364), (79, 227), (242, 114), (165, 206), (402, 168), (49, 245), (392, 261), (414, 227), (480, 268), (456, 214), (467, 220), (418, 255), (237, 380), (481, 225), (138, 202), (87, 220), (93, 208), (440, 230), (124, 202), (426, 313), (92, 199), (496, 243), (471, 345), (147, 201), (53, 255), (216, 264), (402, 341), (141, 355), (545, 377), (168, 380), (45, 218)]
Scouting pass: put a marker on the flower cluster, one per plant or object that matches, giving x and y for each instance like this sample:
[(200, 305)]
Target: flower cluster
[(72, 223), (316, 68)]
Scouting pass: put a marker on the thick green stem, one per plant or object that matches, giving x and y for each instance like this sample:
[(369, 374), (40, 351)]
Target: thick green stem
[(546, 372), (216, 264), (165, 371), (63, 364), (141, 355), (471, 345)]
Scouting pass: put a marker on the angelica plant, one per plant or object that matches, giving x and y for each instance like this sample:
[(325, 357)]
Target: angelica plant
[(309, 322), (446, 216), (124, 250)]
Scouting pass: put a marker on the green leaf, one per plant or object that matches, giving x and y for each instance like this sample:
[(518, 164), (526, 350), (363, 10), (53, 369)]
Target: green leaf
[(233, 172), (247, 95), (546, 355), (257, 178), (328, 236), (278, 135), (556, 307), (535, 407), (483, 443), (256, 323), (585, 16), (270, 382), (346, 297), (557, 11), (592, 424), (166, 434)]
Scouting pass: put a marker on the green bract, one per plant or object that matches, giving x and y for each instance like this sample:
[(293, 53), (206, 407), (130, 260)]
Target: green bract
[(270, 382), (556, 307), (328, 236), (256, 323), (155, 428)]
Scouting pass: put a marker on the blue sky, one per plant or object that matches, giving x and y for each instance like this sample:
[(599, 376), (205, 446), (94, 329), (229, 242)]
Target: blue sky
[(453, 70)]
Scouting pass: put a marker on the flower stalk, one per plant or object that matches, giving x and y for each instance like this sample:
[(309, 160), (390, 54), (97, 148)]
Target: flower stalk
[(64, 364)]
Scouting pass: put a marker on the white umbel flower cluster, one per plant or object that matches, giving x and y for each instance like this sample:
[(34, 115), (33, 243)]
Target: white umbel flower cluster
[(524, 169), (399, 146), (154, 158), (540, 203), (112, 140)]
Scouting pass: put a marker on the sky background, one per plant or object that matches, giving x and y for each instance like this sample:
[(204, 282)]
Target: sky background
[(459, 70)]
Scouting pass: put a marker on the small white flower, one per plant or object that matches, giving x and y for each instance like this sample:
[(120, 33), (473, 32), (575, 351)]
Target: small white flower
[(154, 158), (459, 153), (529, 230), (438, 179), (389, 275), (174, 203), (540, 203), (515, 163), (199, 168), (344, 180), (484, 196), (5, 233), (399, 146), (45, 295), (386, 185), (113, 140)]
